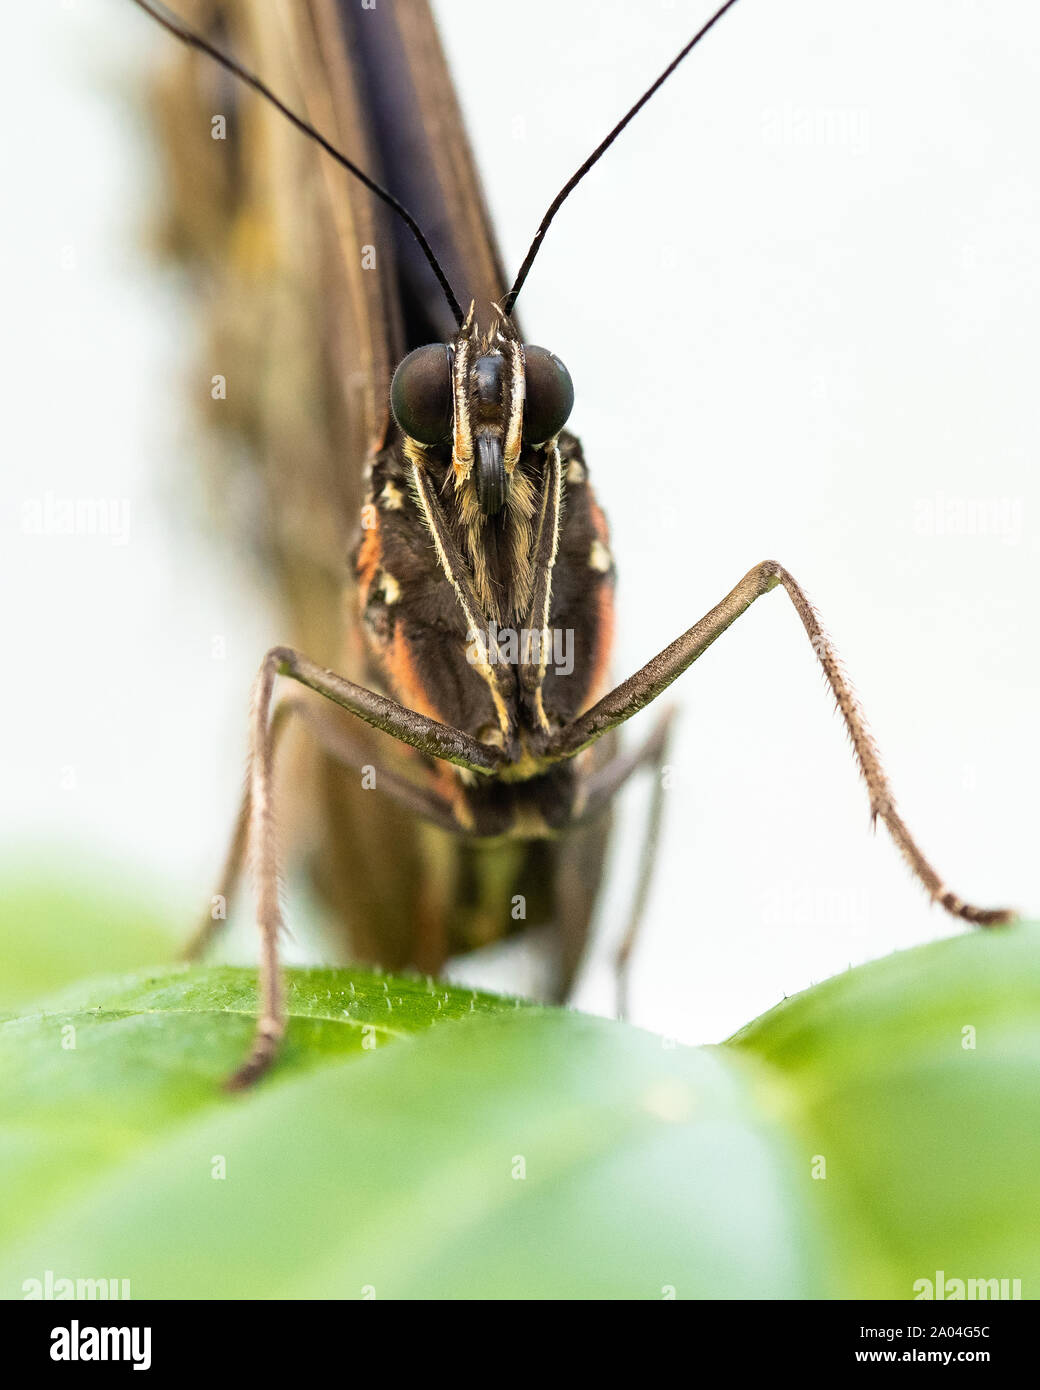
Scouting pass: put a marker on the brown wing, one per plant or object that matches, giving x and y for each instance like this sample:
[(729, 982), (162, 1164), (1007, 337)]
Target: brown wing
[(312, 293)]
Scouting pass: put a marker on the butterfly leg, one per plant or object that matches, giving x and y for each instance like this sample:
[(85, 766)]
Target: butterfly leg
[(339, 746), (639, 690), (654, 758), (603, 786), (430, 737)]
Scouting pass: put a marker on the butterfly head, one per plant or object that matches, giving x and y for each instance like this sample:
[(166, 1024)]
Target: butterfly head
[(488, 397)]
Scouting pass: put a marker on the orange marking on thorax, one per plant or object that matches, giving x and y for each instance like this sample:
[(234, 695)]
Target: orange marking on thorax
[(599, 521), (407, 687), (404, 677), (370, 558), (600, 666)]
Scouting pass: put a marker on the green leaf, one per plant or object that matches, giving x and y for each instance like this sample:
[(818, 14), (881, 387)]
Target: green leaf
[(917, 1078), (398, 1168), (486, 1149), (108, 1067)]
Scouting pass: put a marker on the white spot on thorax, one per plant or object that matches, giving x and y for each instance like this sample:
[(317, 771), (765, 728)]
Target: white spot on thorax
[(600, 557)]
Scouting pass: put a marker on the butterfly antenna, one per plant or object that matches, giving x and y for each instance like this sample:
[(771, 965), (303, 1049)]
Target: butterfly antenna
[(180, 30), (597, 154)]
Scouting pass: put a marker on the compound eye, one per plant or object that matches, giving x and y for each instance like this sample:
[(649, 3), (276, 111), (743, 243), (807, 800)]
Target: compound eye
[(420, 394), (549, 396)]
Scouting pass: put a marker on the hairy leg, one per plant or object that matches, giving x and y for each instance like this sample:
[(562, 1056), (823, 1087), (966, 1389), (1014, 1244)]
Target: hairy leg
[(429, 736), (639, 690), (334, 741)]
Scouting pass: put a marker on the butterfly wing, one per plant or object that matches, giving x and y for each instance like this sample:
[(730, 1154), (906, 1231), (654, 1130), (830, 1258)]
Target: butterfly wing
[(313, 292)]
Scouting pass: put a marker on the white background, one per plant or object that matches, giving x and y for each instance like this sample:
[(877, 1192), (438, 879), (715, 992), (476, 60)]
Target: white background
[(799, 300)]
